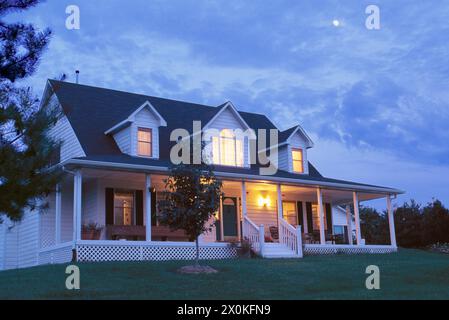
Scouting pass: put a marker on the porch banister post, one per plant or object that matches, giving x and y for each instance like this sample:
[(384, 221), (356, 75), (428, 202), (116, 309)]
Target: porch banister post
[(261, 239), (299, 242), (357, 217), (349, 224), (148, 207), (391, 222), (319, 195), (58, 214), (77, 207)]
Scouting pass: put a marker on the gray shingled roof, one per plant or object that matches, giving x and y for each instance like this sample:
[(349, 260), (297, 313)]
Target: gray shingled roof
[(92, 110)]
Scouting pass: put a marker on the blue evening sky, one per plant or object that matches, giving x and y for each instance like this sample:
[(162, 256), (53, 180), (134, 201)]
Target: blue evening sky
[(375, 102)]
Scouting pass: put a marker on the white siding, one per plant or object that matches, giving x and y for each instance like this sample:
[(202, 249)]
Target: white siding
[(339, 217), (283, 158), (67, 213), (28, 240), (63, 131), (123, 140), (145, 119), (227, 120), (262, 215), (21, 242)]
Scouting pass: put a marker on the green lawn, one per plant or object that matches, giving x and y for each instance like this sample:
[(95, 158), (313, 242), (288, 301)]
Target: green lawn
[(409, 274)]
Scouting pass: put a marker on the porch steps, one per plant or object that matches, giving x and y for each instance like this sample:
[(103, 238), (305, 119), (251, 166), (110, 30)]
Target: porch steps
[(277, 250)]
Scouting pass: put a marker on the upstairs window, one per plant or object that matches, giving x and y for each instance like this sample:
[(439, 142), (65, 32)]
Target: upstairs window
[(144, 142), (297, 158), (227, 150)]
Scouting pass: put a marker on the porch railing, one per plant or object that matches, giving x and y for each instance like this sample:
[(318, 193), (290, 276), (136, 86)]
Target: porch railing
[(290, 236), (254, 234)]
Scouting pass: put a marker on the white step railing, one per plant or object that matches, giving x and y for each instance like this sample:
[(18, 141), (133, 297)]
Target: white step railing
[(254, 234), (290, 237)]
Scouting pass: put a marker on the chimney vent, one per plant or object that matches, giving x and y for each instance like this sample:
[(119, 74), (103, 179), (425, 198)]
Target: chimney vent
[(77, 76)]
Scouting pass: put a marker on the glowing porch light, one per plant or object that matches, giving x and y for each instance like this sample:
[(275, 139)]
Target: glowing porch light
[(264, 201)]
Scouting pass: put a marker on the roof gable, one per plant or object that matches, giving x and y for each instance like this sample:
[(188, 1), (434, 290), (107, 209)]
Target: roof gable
[(132, 118), (287, 136)]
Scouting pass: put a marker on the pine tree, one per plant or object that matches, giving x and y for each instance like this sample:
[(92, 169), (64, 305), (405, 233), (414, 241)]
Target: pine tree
[(26, 150)]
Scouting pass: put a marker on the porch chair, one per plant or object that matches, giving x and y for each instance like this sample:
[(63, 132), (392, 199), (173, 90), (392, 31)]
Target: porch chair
[(274, 233)]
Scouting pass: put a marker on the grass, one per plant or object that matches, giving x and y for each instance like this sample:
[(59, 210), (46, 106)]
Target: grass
[(409, 274)]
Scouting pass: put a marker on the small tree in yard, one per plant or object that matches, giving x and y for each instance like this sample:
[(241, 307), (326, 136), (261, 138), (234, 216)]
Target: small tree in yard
[(191, 198)]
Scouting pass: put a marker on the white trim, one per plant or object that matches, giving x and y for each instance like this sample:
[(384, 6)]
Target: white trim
[(56, 247), (119, 243), (132, 117), (299, 128), (296, 182), (235, 112)]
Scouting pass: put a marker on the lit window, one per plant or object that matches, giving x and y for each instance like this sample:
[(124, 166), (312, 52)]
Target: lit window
[(124, 208), (227, 149), (297, 161), (144, 142)]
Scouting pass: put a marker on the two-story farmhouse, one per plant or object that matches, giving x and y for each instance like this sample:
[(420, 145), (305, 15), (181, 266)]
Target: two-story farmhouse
[(116, 153)]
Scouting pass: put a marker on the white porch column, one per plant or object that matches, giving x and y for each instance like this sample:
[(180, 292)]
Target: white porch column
[(221, 220), (357, 218), (244, 209), (349, 223), (280, 213), (58, 214), (77, 204), (319, 195), (305, 227), (148, 207), (391, 222)]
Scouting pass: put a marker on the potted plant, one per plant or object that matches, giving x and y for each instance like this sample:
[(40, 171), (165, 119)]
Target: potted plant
[(91, 231), (243, 248)]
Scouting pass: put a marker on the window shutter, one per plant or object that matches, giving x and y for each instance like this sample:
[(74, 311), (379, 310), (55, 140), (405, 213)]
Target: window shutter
[(109, 206), (139, 208), (329, 218), (153, 208), (300, 216), (309, 216)]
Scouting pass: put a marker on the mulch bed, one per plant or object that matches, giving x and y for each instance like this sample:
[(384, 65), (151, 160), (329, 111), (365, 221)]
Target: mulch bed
[(196, 270)]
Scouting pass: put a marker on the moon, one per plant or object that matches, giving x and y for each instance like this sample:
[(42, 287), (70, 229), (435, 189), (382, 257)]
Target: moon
[(336, 23)]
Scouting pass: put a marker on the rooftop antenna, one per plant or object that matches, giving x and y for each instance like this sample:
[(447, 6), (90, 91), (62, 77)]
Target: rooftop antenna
[(77, 76)]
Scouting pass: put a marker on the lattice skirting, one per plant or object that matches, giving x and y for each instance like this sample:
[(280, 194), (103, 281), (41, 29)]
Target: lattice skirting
[(326, 250), (114, 252), (61, 254)]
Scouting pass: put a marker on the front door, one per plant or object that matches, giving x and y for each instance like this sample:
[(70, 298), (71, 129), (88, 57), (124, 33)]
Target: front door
[(230, 218)]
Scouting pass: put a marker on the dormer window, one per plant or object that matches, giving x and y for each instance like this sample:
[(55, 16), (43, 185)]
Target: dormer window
[(144, 142), (298, 164), (227, 150)]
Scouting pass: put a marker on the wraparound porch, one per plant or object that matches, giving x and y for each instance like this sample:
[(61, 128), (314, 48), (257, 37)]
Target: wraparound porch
[(250, 209)]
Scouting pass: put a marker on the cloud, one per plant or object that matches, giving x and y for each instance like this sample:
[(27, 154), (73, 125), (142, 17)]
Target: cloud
[(378, 93)]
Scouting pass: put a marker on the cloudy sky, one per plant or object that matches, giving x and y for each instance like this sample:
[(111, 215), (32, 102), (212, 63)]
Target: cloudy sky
[(375, 102)]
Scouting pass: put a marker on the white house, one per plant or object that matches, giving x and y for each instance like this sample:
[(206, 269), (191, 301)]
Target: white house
[(116, 154)]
